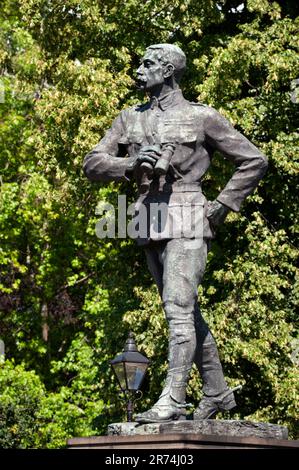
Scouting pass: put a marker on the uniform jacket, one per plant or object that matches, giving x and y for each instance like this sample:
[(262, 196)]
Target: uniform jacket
[(196, 131)]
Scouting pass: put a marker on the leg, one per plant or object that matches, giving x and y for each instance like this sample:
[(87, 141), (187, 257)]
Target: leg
[(207, 358), (216, 394), (183, 268), (155, 264), (180, 269)]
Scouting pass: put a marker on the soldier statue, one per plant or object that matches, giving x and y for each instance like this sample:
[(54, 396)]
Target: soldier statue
[(166, 145)]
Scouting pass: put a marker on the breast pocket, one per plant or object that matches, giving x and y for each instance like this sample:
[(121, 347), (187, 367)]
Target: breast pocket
[(132, 137), (179, 131)]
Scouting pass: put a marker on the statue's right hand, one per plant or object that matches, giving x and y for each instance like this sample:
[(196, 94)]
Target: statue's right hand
[(147, 154)]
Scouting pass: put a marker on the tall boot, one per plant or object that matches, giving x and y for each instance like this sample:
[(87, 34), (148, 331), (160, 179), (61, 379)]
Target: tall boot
[(171, 403), (216, 394)]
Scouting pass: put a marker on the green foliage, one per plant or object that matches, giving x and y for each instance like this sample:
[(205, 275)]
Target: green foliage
[(30, 416), (20, 396), (67, 299)]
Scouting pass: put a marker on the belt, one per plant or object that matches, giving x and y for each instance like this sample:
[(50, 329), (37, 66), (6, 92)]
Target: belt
[(184, 187), (176, 187)]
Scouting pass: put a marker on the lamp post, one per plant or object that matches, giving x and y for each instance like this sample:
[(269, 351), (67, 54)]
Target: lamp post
[(130, 367)]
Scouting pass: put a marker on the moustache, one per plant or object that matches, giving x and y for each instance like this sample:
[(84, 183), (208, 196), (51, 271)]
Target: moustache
[(140, 82)]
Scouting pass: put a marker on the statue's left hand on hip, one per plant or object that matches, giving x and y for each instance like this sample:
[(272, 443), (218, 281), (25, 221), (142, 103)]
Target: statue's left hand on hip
[(216, 213)]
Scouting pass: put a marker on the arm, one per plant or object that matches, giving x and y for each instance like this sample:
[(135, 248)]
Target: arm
[(103, 163), (250, 163)]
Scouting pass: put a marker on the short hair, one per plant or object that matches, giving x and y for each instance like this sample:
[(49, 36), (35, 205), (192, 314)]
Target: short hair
[(171, 54)]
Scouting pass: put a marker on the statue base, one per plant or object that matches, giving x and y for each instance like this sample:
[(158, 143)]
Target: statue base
[(205, 434), (210, 427)]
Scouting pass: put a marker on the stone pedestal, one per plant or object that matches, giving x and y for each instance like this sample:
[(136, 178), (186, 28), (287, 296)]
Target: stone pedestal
[(207, 427), (206, 434)]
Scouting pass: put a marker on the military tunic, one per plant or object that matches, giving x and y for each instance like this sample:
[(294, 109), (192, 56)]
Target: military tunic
[(196, 131)]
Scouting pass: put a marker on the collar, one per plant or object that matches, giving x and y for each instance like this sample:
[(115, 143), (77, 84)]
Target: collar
[(170, 99)]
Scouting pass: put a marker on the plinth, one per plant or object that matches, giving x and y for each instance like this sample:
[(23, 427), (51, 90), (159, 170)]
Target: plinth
[(204, 434)]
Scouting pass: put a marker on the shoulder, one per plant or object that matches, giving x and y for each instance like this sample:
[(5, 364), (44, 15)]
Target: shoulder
[(131, 113), (203, 108), (210, 115), (198, 104), (200, 111)]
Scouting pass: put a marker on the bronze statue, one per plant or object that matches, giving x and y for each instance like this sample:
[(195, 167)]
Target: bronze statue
[(167, 145)]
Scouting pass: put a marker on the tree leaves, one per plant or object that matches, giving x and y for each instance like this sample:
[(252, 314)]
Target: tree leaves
[(67, 69)]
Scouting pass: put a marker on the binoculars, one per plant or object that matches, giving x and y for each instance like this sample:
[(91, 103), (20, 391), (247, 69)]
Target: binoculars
[(161, 167)]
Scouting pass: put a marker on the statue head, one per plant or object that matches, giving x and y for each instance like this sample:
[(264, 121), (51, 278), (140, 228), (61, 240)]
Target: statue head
[(161, 63)]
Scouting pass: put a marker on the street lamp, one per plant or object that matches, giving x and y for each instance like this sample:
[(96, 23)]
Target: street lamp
[(130, 367)]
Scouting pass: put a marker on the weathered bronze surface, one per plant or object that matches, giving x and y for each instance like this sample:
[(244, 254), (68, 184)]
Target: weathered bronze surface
[(205, 427), (166, 146)]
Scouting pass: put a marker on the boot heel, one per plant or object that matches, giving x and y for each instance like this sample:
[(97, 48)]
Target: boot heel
[(229, 405), (181, 417), (228, 401)]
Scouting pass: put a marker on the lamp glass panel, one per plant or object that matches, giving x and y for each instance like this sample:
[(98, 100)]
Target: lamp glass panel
[(120, 373), (135, 373)]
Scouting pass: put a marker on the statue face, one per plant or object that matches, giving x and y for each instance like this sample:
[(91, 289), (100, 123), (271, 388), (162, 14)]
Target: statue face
[(150, 74)]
